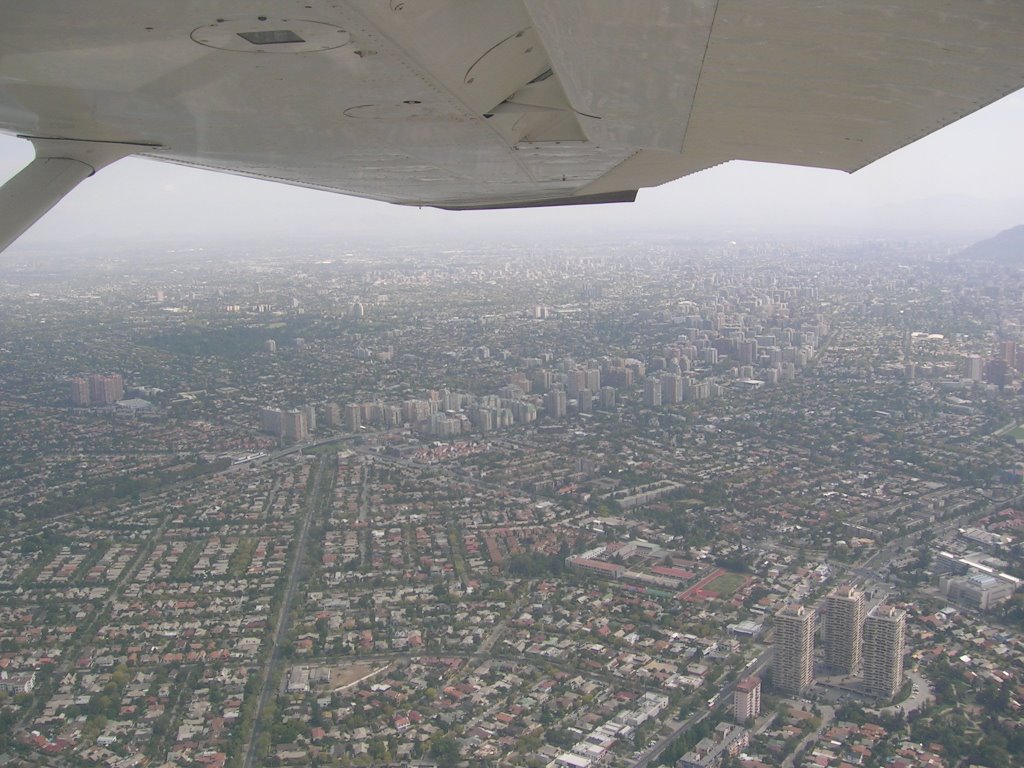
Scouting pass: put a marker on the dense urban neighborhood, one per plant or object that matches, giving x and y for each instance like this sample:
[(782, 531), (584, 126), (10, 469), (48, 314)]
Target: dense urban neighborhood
[(691, 504)]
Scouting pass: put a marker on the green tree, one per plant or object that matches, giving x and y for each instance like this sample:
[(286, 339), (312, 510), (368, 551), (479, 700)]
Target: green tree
[(445, 749)]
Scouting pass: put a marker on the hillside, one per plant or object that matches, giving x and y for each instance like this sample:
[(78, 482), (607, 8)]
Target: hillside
[(1007, 247)]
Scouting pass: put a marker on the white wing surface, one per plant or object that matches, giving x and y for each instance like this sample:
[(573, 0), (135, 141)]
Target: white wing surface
[(495, 103)]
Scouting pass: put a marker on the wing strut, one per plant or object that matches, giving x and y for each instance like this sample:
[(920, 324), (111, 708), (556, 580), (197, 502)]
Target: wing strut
[(59, 166)]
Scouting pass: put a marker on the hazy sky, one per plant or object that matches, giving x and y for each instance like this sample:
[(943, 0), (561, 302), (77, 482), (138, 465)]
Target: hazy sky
[(966, 181)]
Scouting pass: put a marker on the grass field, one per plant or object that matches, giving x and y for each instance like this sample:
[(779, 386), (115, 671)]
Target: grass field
[(1016, 434), (726, 584)]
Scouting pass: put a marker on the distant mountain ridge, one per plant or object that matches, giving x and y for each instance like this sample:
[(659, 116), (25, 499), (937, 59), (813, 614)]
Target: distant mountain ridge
[(1006, 247)]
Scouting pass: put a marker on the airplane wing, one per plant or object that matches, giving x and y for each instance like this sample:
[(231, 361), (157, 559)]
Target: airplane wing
[(486, 103)]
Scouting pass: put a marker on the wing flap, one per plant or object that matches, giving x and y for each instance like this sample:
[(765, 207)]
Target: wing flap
[(619, 196), (839, 84)]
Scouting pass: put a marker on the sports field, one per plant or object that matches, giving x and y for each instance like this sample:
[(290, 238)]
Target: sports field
[(725, 584)]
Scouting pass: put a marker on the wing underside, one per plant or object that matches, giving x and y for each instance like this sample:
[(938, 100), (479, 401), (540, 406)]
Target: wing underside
[(498, 103)]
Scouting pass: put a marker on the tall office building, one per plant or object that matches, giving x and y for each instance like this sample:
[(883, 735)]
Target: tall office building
[(293, 425), (485, 419), (373, 413), (270, 420), (974, 367), (80, 391), (524, 413), (392, 415), (555, 403), (997, 372), (452, 401), (575, 380), (747, 351), (106, 390), (617, 376), (1008, 352), (607, 397), (884, 632), (746, 699), (585, 401), (289, 425), (541, 380), (353, 417), (844, 619), (309, 412), (792, 666), (671, 388), (332, 415), (652, 392)]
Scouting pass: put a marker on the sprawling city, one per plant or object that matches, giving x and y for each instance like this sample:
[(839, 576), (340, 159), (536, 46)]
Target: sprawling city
[(692, 504)]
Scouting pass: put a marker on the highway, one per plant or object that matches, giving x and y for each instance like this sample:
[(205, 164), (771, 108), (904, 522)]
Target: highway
[(272, 665), (724, 698)]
